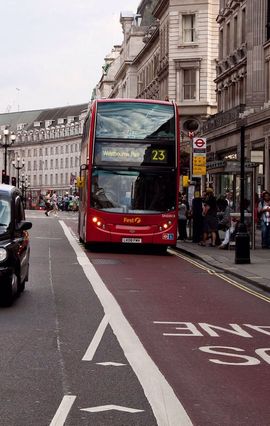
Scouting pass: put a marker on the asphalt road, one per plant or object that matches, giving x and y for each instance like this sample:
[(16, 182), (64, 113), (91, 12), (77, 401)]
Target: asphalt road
[(130, 338)]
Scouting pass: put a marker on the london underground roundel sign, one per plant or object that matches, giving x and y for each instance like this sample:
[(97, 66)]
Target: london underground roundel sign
[(199, 143)]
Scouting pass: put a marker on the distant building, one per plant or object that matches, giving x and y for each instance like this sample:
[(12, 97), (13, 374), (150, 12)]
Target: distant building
[(49, 142)]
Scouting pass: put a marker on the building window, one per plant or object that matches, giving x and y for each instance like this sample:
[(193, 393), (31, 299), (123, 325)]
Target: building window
[(51, 164), (61, 163), (40, 179), (40, 151), (189, 84), (243, 28), (188, 25), (228, 39), (235, 26), (46, 164), (51, 151), (221, 41), (188, 80)]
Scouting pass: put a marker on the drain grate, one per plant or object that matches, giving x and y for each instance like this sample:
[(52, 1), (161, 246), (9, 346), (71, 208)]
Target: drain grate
[(105, 261)]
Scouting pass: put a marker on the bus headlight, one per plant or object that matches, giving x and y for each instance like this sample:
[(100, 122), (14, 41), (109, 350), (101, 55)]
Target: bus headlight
[(98, 222), (165, 225), (3, 254)]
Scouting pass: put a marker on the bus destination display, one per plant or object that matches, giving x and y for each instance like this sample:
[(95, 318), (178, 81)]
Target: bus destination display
[(132, 154)]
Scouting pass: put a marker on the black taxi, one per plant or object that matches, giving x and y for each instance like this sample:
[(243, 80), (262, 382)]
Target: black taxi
[(14, 244)]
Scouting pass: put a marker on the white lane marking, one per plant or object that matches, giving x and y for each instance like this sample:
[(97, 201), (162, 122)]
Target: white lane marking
[(166, 407), (90, 352), (63, 410), (111, 407), (114, 364), (48, 238)]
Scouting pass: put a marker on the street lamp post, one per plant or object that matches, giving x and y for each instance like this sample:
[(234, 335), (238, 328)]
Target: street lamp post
[(18, 165), (242, 239), (9, 139)]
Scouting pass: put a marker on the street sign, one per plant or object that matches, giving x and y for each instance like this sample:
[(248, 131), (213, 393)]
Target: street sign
[(199, 157), (199, 143), (199, 160)]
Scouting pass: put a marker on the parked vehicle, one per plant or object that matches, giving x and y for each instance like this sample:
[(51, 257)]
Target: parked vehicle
[(14, 244)]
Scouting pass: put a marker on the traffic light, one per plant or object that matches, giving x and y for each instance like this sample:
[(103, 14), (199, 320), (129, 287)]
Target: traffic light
[(5, 177), (13, 181)]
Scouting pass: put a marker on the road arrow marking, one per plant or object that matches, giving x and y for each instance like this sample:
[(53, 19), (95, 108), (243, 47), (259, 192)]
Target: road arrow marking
[(114, 364), (111, 407), (89, 354)]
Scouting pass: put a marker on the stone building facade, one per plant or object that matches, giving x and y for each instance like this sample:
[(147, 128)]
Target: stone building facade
[(169, 52), (243, 94), (47, 144)]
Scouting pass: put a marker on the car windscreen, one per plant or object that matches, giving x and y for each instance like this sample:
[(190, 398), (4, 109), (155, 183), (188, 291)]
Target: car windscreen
[(5, 213)]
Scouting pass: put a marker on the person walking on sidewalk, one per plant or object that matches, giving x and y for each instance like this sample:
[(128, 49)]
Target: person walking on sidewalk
[(264, 214), (210, 221), (182, 218)]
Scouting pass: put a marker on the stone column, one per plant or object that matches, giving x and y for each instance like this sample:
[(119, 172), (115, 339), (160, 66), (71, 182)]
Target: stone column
[(267, 163), (255, 26)]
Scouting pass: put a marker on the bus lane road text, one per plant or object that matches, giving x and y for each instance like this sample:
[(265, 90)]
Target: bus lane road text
[(228, 355)]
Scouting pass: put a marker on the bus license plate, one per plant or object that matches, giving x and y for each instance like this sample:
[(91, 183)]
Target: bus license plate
[(131, 240)]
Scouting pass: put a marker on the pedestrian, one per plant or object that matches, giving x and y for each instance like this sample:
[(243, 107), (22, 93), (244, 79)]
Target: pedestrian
[(47, 201), (182, 219), (224, 221), (197, 217), (54, 202), (264, 214), (210, 221)]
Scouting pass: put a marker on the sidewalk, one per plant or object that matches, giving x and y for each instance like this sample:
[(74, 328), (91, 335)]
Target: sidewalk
[(257, 272)]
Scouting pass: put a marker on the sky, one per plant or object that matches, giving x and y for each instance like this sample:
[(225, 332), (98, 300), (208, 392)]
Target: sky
[(52, 51)]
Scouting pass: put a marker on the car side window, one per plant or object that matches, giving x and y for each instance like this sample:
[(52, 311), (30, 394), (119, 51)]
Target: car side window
[(4, 213)]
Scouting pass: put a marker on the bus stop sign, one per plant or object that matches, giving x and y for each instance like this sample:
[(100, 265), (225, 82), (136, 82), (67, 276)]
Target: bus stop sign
[(199, 143)]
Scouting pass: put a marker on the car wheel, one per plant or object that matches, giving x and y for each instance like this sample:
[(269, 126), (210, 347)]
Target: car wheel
[(22, 287), (10, 291)]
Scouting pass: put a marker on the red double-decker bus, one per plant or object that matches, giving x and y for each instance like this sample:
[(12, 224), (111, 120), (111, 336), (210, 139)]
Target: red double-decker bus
[(130, 173)]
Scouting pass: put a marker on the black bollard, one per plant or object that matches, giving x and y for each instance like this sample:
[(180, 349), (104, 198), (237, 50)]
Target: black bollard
[(242, 245)]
